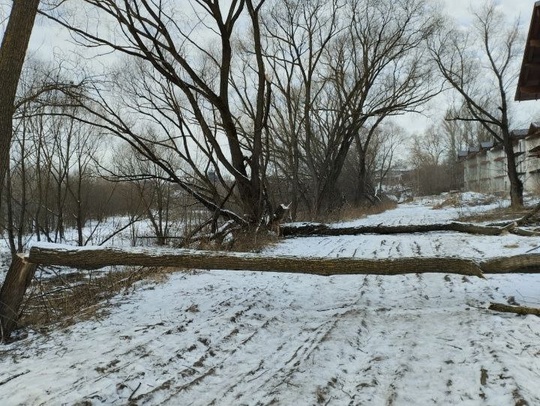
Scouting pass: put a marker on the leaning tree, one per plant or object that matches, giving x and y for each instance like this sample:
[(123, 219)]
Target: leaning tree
[(12, 55)]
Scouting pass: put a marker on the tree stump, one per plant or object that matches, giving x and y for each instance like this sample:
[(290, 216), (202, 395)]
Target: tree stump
[(17, 280)]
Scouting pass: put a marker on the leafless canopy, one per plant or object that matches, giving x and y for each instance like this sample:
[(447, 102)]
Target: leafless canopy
[(481, 66)]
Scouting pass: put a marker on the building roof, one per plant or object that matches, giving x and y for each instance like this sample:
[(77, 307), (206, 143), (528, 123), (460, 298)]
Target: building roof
[(529, 78), (521, 133), (534, 129), (486, 144)]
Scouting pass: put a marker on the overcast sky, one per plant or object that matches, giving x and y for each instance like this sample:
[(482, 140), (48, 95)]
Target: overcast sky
[(44, 37), (513, 8), (461, 10)]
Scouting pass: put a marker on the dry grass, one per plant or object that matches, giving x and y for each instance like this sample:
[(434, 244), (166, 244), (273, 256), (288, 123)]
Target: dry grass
[(242, 241), (65, 299), (350, 212), (455, 200), (452, 201), (501, 214), (245, 241)]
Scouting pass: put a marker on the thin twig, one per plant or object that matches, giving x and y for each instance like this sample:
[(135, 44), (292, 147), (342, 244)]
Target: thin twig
[(133, 393), (13, 377)]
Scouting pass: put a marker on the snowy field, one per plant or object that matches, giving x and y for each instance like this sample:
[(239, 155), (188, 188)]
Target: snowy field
[(248, 338)]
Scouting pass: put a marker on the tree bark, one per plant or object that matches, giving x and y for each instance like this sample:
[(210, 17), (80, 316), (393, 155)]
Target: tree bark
[(12, 54), (524, 263), (17, 280), (516, 185), (96, 257)]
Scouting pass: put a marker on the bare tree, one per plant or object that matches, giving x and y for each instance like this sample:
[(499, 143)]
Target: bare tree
[(345, 67), (193, 63), (153, 192), (480, 65), (297, 34), (389, 144), (459, 135), (377, 163)]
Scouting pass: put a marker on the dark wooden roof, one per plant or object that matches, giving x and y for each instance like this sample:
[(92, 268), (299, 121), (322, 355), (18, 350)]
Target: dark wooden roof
[(529, 77)]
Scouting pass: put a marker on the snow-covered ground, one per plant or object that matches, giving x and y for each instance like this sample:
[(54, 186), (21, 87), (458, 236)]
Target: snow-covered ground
[(249, 338)]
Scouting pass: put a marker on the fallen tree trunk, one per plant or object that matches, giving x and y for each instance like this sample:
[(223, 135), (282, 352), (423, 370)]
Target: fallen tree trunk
[(23, 267), (96, 257), (313, 229), (522, 310)]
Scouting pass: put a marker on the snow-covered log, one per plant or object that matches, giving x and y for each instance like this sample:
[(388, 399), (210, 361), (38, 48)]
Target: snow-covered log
[(312, 229)]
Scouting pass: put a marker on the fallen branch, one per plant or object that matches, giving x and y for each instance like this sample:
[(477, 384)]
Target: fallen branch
[(522, 310), (12, 377), (133, 393), (524, 233)]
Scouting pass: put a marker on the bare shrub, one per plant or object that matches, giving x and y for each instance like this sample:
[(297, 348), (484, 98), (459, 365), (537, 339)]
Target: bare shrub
[(67, 298)]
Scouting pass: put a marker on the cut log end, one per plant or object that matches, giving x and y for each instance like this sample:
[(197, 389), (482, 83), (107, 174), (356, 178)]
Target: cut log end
[(12, 293)]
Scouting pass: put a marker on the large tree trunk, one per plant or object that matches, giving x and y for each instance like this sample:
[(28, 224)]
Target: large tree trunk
[(364, 191), (521, 310), (524, 263), (12, 54), (23, 269), (97, 257), (516, 185)]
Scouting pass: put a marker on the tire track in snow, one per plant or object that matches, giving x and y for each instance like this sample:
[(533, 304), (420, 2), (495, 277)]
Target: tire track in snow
[(396, 373)]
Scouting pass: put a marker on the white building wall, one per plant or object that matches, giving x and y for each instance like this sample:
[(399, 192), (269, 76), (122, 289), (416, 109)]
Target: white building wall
[(531, 165), (486, 171)]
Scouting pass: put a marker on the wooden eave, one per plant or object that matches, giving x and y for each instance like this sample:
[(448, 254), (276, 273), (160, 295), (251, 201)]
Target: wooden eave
[(529, 78)]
